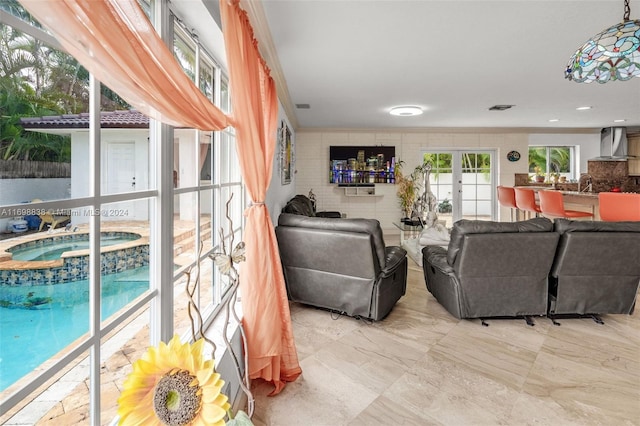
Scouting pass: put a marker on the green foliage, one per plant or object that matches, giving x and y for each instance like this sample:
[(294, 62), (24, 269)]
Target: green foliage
[(555, 159), (445, 206), (37, 80), (18, 100)]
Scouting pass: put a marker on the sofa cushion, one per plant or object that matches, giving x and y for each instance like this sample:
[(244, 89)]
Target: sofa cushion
[(362, 226), (464, 227)]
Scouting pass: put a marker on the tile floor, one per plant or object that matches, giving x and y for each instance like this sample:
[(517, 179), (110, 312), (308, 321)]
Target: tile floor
[(421, 366)]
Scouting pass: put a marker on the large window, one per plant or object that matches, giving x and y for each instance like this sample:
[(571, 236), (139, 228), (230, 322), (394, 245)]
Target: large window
[(553, 160), (101, 207)]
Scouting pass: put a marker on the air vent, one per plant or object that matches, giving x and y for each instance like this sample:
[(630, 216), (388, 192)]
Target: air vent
[(500, 107), (303, 106)]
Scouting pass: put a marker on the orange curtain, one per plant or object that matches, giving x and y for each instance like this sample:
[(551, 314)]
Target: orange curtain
[(267, 321), (115, 41)]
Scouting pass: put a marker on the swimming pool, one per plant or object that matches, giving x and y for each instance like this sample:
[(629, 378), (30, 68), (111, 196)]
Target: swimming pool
[(123, 251), (38, 321), (53, 248)]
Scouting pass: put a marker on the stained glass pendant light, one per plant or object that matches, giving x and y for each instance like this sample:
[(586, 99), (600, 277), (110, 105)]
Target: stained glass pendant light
[(614, 54)]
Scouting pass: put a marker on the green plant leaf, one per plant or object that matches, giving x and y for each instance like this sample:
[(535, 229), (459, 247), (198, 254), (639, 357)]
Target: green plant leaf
[(241, 419)]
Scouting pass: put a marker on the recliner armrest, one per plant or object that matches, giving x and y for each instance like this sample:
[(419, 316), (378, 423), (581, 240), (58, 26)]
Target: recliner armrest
[(436, 256), (394, 256)]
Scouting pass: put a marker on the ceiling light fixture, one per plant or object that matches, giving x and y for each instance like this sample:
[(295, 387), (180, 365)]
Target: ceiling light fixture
[(583, 108), (553, 120), (500, 107), (621, 120), (406, 111), (614, 54)]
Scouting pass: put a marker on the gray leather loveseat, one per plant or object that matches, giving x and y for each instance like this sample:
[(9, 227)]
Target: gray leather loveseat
[(341, 264), (536, 267)]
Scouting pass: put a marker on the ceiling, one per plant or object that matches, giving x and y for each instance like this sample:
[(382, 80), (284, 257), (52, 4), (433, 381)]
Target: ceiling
[(351, 61)]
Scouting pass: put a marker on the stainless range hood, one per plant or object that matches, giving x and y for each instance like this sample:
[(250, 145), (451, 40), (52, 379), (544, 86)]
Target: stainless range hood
[(613, 144)]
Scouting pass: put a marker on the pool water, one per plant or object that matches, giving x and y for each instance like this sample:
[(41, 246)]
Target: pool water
[(52, 317), (53, 250)]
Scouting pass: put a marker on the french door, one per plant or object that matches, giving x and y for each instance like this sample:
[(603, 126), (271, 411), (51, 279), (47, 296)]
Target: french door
[(463, 183)]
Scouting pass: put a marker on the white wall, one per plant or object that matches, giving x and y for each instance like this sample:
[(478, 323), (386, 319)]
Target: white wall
[(16, 191), (312, 163)]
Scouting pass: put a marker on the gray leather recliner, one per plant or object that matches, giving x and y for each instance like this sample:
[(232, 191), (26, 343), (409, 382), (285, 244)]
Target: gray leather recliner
[(341, 265), (492, 269), (596, 269)]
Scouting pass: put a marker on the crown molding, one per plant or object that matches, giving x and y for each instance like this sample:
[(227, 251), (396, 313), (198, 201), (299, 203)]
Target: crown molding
[(267, 49)]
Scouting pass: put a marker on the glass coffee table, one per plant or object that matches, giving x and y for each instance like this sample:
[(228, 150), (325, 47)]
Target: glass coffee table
[(412, 230)]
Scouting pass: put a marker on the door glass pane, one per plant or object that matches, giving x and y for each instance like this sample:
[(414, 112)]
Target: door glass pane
[(477, 189), (441, 181)]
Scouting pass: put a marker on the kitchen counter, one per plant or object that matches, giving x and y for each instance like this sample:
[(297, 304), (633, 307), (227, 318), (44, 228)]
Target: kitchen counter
[(574, 200)]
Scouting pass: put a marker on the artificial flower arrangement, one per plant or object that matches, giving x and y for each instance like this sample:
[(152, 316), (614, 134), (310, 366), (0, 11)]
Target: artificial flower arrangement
[(539, 174), (173, 384), (406, 189)]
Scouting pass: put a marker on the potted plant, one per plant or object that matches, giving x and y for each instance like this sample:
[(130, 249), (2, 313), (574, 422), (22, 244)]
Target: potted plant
[(539, 174), (445, 206)]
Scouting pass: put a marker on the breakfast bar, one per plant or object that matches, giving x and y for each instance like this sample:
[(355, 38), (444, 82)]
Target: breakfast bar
[(583, 201)]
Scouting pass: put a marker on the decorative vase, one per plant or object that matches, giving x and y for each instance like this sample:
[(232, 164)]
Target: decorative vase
[(539, 179)]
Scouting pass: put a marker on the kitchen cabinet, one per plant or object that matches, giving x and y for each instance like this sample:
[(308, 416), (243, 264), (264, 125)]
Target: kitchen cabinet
[(633, 141)]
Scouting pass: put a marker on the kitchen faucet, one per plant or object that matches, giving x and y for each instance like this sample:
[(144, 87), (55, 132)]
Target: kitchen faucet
[(589, 183)]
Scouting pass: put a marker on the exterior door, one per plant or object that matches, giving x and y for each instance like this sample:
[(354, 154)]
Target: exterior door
[(120, 177), (463, 183)]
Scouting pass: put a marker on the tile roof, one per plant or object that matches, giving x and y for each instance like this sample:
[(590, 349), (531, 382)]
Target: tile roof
[(131, 119)]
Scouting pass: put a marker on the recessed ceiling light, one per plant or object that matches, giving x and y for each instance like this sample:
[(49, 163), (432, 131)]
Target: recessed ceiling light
[(406, 110), (583, 108), (619, 121), (554, 120)]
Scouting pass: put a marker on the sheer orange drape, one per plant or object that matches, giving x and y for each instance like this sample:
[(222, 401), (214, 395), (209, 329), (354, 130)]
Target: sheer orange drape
[(115, 41), (267, 322)]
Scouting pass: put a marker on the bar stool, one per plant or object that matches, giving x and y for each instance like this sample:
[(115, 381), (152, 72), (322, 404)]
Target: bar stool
[(617, 207), (552, 204), (507, 198), (526, 201)]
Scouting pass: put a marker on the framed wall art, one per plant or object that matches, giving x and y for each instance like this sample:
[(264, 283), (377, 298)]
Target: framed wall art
[(286, 153)]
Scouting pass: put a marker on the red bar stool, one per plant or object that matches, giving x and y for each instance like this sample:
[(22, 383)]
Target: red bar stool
[(618, 207), (526, 201), (552, 204), (507, 198)]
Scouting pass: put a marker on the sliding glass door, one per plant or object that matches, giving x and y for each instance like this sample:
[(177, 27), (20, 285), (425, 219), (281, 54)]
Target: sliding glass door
[(463, 183)]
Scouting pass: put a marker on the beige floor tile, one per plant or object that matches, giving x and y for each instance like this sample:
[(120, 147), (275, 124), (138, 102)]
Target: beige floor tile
[(320, 396)]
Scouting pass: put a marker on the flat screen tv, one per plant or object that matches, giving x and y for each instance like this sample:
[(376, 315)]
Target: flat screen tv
[(362, 165)]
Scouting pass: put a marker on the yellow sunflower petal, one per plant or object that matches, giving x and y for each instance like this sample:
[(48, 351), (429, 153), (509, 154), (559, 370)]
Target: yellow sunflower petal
[(204, 375), (138, 417), (212, 414)]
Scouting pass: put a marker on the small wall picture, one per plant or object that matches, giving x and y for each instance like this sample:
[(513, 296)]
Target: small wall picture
[(286, 153)]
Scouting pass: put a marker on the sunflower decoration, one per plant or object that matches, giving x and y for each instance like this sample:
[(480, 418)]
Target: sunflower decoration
[(173, 385)]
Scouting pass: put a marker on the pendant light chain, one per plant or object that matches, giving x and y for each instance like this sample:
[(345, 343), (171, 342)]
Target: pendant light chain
[(627, 10)]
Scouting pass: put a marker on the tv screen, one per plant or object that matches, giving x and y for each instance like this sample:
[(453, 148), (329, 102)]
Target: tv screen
[(355, 165)]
